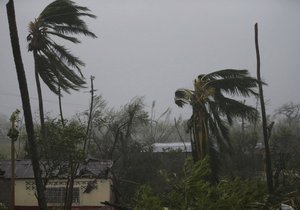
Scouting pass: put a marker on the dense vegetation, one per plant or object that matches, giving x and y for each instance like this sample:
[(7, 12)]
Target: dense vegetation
[(226, 168), (171, 179)]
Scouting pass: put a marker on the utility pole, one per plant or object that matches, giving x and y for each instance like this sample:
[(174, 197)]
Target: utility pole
[(12, 175), (74, 166), (264, 118), (87, 134), (13, 134)]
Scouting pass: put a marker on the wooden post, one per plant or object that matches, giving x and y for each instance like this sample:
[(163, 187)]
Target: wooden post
[(264, 118), (13, 134), (12, 204)]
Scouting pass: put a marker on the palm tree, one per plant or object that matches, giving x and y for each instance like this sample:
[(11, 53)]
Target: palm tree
[(58, 68), (26, 105), (213, 111)]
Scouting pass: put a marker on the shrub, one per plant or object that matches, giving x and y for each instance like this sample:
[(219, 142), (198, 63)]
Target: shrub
[(3, 207)]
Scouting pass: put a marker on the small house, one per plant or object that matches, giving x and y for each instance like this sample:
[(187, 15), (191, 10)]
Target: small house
[(92, 185)]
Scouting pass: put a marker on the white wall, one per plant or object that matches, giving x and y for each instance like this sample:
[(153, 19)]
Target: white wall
[(25, 191)]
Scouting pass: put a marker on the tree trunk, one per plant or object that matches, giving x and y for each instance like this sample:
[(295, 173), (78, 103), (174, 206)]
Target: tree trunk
[(200, 133), (26, 104), (60, 107), (40, 96), (69, 189), (264, 118)]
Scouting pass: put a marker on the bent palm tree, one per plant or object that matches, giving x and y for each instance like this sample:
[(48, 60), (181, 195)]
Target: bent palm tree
[(57, 67), (14, 38), (212, 110)]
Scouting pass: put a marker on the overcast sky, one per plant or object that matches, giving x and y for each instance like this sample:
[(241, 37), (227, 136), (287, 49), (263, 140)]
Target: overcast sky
[(151, 48)]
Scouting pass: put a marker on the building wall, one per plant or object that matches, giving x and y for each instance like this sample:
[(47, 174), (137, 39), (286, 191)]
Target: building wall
[(25, 192), (5, 190)]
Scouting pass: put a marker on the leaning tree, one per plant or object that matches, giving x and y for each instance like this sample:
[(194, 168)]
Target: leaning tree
[(54, 63), (213, 110), (14, 38)]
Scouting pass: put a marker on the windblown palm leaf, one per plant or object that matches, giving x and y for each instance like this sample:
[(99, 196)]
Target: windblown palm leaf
[(54, 63), (212, 110)]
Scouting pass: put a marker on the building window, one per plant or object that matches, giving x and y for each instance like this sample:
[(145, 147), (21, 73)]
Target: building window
[(76, 195), (57, 195)]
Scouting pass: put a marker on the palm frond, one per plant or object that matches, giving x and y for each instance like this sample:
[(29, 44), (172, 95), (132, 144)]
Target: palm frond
[(240, 86), (227, 73), (47, 75), (234, 108), (64, 17), (69, 38), (66, 76), (183, 96), (72, 30), (64, 12), (218, 126), (214, 163), (65, 55)]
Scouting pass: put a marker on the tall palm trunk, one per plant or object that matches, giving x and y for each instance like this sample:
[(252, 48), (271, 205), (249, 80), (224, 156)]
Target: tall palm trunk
[(264, 118), (60, 107), (200, 133), (26, 104), (40, 96)]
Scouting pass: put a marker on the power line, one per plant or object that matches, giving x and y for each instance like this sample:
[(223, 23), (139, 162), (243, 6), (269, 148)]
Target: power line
[(36, 99)]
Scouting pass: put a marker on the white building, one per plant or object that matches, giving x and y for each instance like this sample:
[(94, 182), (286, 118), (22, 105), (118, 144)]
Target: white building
[(172, 146)]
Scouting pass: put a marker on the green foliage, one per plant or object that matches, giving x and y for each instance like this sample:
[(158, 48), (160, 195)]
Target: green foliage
[(3, 207), (239, 194), (245, 160), (284, 140), (63, 143), (285, 154), (146, 199), (115, 131), (63, 148), (13, 134), (195, 192)]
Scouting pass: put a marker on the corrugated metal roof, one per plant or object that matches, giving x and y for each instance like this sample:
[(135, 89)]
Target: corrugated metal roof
[(172, 146), (23, 169)]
